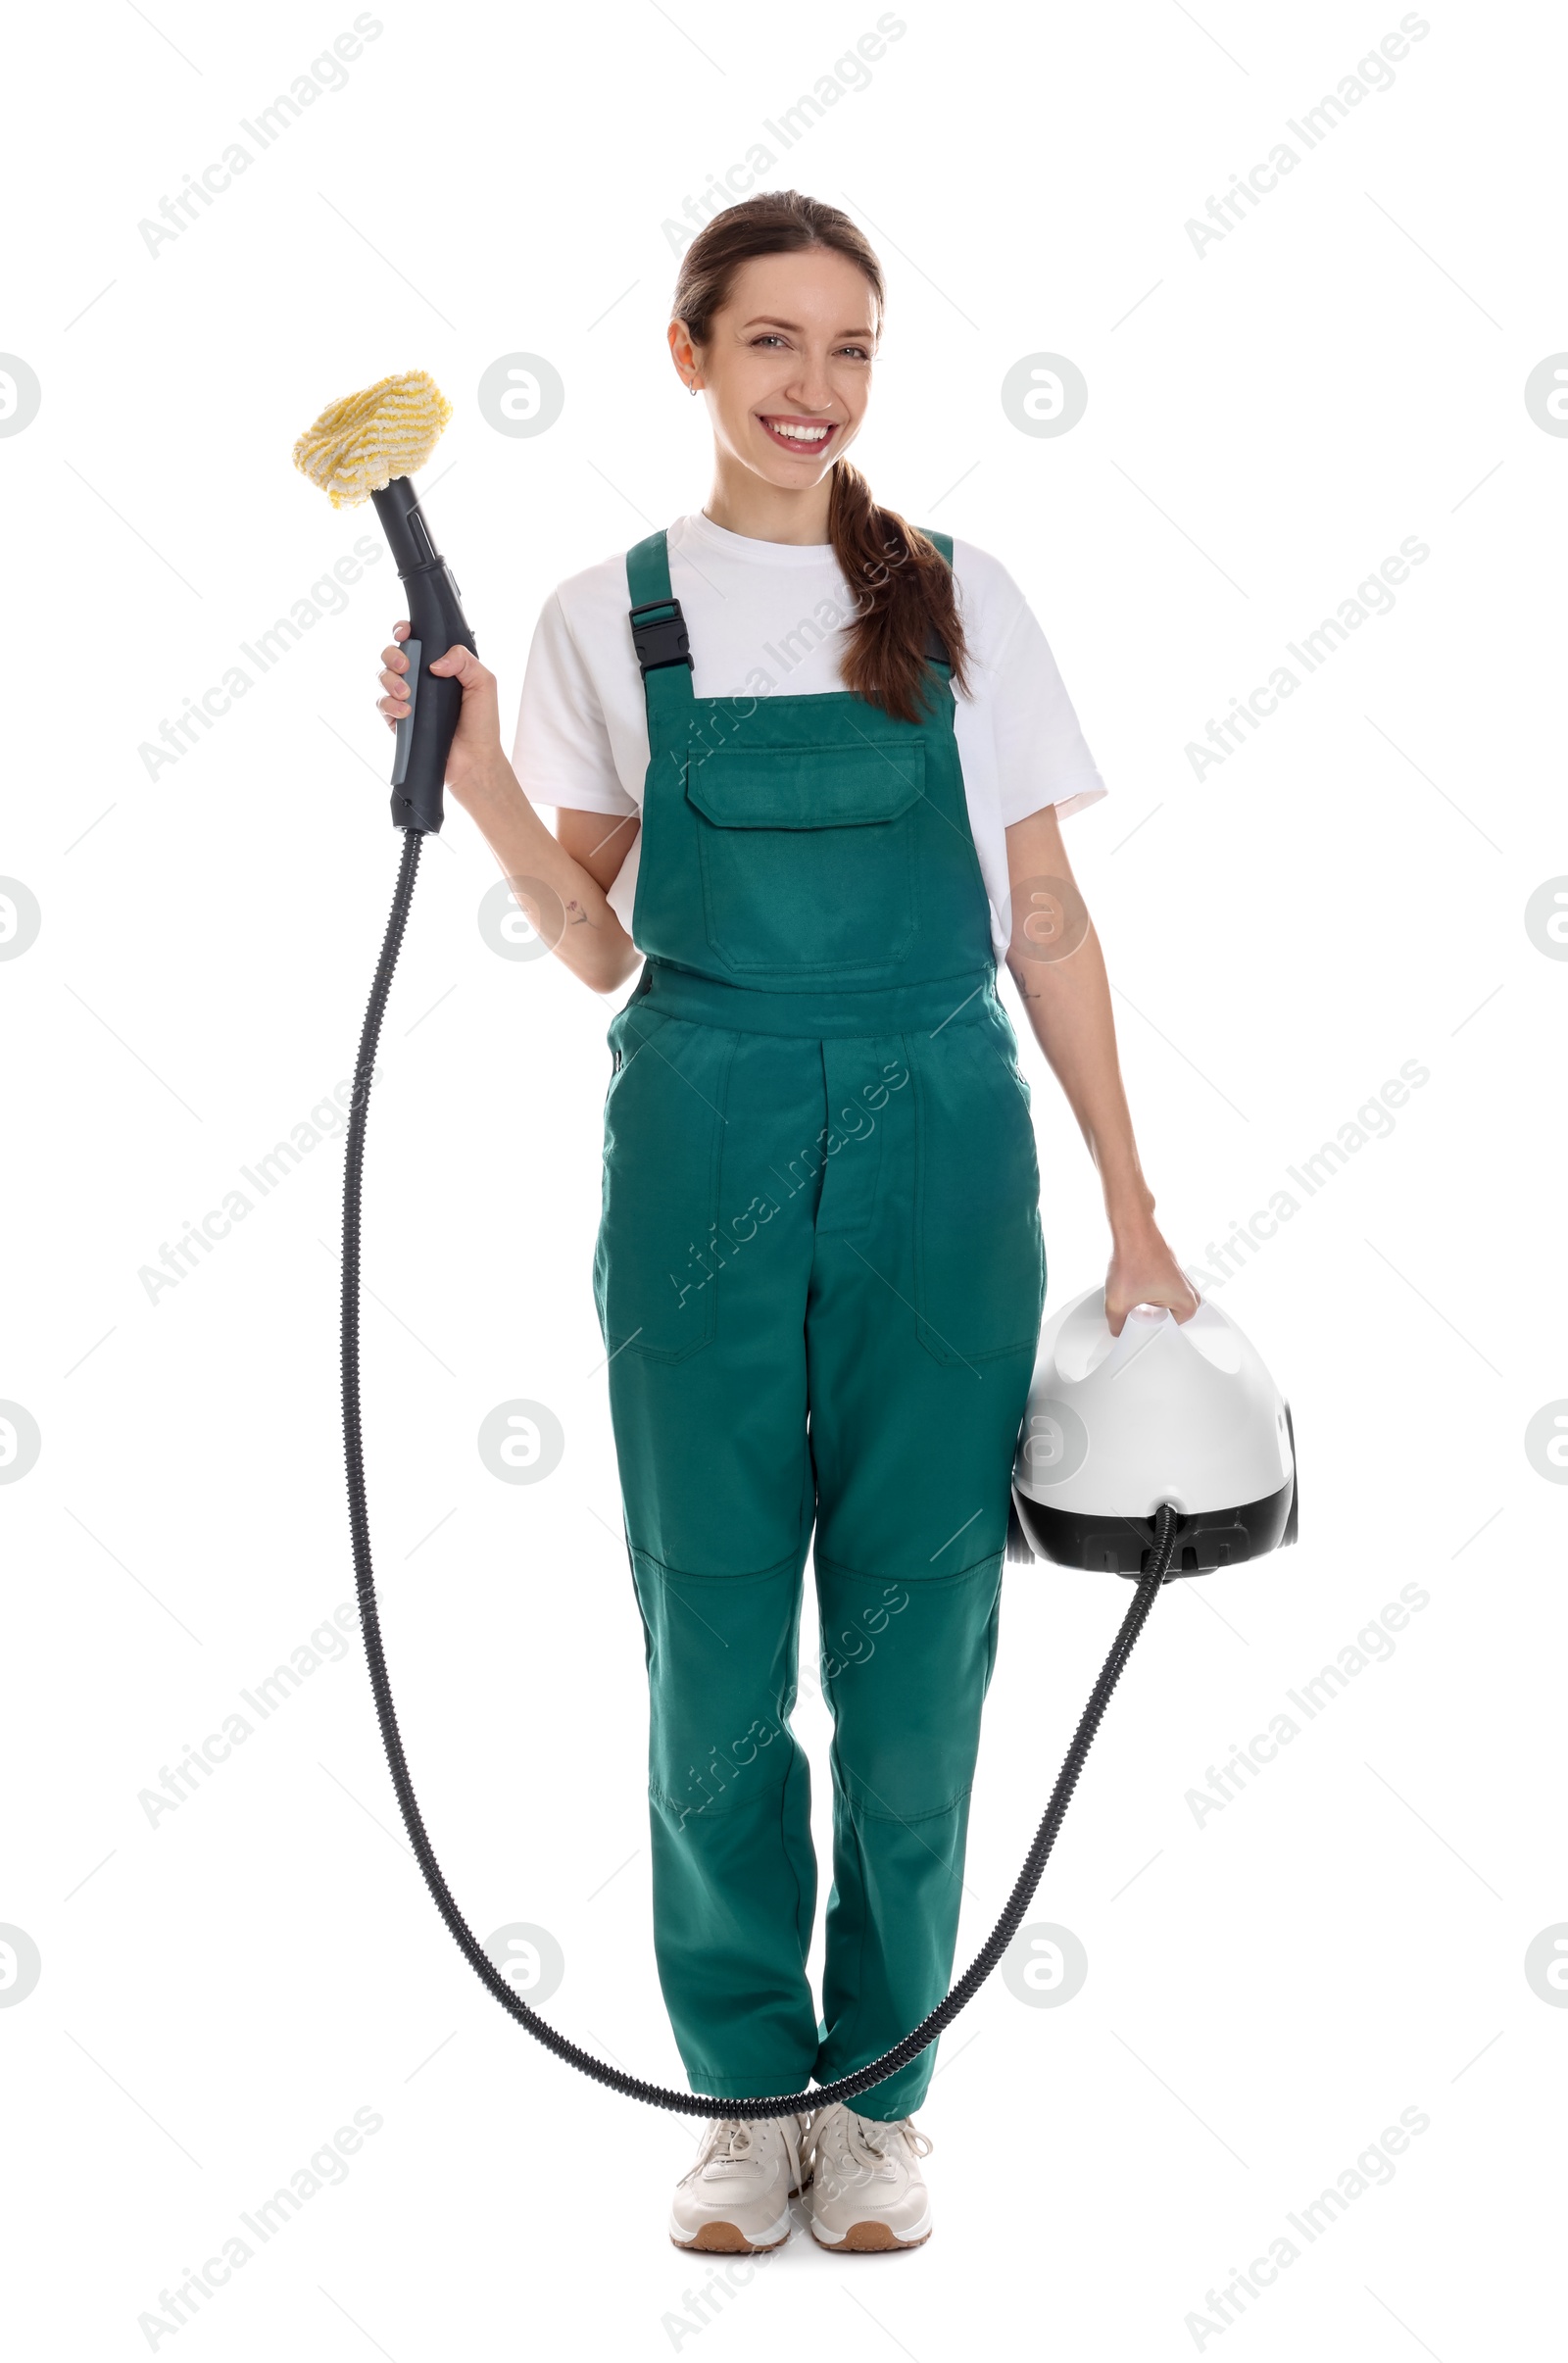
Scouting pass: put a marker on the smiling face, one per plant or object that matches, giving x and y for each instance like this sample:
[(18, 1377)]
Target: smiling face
[(787, 368)]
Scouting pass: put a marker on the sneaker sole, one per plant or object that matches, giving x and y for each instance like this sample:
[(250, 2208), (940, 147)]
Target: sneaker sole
[(728, 2240), (865, 2240)]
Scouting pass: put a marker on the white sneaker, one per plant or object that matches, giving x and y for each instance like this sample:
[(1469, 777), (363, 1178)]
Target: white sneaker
[(737, 2196), (867, 2190)]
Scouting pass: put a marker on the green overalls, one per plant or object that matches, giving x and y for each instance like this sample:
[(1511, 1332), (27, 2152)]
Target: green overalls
[(819, 1277)]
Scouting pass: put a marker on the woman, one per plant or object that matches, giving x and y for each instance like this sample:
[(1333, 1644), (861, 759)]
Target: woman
[(819, 1272)]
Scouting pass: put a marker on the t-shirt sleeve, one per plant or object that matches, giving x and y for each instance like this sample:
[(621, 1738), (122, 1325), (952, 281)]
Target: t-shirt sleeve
[(1041, 755), (562, 752)]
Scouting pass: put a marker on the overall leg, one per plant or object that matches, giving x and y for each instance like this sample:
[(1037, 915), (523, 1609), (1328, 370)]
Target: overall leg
[(925, 1303), (702, 1275)]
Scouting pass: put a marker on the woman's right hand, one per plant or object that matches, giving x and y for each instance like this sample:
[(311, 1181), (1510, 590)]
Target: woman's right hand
[(477, 740)]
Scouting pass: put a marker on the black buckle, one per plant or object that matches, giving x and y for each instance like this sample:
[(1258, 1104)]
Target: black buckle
[(664, 640)]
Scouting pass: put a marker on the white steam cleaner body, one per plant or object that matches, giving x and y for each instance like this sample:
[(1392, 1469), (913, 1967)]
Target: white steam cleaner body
[(1172, 1412)]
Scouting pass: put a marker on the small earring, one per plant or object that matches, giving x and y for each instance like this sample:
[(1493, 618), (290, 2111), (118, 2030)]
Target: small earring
[(691, 385)]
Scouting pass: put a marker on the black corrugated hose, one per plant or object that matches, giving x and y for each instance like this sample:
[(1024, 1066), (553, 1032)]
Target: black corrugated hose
[(689, 2104)]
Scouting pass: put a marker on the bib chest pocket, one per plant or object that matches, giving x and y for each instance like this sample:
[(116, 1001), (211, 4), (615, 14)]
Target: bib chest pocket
[(808, 855)]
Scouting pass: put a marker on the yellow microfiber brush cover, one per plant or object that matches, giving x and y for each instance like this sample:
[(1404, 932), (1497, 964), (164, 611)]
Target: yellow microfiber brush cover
[(359, 445)]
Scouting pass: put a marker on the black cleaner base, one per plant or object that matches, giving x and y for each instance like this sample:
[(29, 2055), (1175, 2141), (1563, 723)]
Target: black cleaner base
[(687, 2104), (1204, 1541)]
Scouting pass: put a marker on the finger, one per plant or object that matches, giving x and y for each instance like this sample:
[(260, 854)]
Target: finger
[(400, 631), (395, 659), (460, 664), (395, 708), (394, 682)]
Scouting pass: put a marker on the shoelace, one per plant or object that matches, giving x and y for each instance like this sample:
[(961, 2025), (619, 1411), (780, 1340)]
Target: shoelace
[(860, 2140), (732, 2141), (729, 2139)]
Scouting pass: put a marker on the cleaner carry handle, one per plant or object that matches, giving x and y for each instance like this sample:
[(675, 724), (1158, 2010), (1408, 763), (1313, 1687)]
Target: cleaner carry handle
[(436, 623)]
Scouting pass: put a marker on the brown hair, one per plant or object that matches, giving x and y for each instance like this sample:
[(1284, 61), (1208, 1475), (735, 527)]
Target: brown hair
[(903, 589)]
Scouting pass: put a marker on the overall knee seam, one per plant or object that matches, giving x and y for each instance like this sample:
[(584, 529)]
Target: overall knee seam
[(851, 1797), (715, 1808), (788, 1566), (923, 1583)]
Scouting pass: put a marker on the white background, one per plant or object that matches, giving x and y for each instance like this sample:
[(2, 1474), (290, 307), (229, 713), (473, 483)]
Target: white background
[(1266, 422)]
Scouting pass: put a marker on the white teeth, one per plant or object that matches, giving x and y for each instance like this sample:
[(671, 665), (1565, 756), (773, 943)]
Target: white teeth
[(798, 434)]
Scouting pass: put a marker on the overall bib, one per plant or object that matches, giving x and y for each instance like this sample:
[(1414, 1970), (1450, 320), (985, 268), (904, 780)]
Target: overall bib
[(819, 1277)]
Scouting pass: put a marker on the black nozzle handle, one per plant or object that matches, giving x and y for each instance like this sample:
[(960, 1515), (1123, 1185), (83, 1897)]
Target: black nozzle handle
[(436, 623)]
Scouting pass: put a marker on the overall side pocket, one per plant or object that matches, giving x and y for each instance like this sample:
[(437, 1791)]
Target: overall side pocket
[(980, 1258), (663, 1128)]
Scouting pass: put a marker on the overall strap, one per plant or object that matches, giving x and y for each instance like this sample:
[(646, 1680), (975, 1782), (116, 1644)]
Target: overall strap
[(658, 638)]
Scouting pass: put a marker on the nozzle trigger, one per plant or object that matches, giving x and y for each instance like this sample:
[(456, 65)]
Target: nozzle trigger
[(403, 736)]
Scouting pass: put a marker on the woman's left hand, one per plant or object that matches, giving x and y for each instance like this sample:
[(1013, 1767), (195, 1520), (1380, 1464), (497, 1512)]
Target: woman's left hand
[(1144, 1272)]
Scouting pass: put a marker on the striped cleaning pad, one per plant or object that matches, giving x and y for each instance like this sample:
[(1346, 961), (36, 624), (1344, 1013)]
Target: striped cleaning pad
[(358, 445)]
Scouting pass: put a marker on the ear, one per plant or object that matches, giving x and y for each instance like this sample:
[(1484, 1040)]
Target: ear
[(682, 352)]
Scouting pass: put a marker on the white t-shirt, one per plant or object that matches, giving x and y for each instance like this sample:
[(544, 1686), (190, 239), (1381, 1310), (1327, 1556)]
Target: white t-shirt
[(766, 618)]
